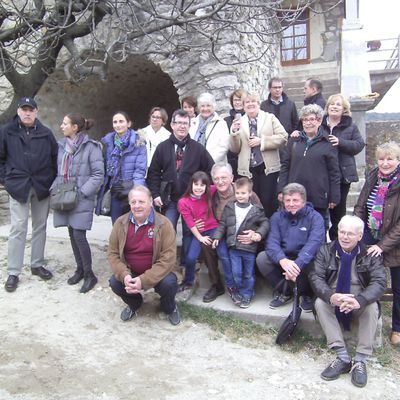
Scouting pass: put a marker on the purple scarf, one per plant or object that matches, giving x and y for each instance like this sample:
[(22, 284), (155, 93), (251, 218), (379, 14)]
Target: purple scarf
[(376, 215)]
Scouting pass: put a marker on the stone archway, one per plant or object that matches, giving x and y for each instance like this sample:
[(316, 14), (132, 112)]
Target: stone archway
[(134, 86)]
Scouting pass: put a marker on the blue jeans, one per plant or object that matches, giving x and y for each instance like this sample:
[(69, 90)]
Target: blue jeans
[(395, 277), (243, 272), (223, 255), (191, 257), (172, 213), (166, 288)]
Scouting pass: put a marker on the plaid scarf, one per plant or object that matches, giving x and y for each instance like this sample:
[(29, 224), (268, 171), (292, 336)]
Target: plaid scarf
[(376, 215), (71, 147)]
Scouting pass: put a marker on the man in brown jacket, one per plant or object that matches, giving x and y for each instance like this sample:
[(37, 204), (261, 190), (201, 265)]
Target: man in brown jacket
[(142, 254)]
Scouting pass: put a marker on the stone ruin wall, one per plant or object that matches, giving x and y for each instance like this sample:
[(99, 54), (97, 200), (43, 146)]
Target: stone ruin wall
[(142, 82)]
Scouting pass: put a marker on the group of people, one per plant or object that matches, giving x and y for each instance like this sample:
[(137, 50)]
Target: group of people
[(263, 188)]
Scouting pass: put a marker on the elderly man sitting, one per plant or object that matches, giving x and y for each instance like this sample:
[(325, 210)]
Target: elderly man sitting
[(142, 254), (348, 283)]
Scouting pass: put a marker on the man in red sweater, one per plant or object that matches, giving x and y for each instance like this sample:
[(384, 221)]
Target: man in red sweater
[(142, 254)]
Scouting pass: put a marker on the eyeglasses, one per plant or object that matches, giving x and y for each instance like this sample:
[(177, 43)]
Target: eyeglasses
[(221, 179), (348, 234), (310, 120), (180, 123), (156, 117)]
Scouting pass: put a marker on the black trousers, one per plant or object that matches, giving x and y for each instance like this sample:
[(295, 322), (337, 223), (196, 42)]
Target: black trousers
[(339, 211)]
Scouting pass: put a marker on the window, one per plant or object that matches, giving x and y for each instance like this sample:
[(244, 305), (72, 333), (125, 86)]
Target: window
[(295, 48)]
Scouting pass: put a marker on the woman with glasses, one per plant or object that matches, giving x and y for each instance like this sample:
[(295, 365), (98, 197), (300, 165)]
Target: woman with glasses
[(155, 132), (311, 160), (378, 206), (344, 135)]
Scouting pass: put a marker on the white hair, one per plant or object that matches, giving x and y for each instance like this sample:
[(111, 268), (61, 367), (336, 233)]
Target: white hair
[(206, 98), (352, 221)]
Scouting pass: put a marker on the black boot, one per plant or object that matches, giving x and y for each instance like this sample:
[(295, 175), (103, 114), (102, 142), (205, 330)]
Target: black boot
[(89, 282), (76, 277)]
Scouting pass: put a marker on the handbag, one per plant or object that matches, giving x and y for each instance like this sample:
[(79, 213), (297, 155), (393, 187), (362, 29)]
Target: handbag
[(289, 325), (105, 208), (64, 196)]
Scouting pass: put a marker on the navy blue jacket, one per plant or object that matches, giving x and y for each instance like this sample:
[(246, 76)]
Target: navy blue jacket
[(285, 111), (28, 158), (297, 237)]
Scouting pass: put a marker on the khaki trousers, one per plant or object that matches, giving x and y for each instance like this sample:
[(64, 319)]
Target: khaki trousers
[(367, 318)]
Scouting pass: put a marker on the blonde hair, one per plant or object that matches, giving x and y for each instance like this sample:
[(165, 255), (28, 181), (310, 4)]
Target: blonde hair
[(251, 97), (388, 149), (345, 104)]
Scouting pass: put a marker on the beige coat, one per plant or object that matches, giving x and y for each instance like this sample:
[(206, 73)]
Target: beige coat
[(272, 135)]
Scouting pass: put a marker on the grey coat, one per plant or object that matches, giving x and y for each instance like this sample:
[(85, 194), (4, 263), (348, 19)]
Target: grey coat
[(89, 180)]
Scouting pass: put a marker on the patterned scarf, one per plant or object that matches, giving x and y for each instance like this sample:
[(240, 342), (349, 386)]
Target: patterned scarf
[(376, 215), (201, 130), (343, 283), (120, 144), (71, 147), (256, 157)]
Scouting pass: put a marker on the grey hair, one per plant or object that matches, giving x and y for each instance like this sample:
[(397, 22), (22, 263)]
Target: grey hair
[(292, 188), (311, 109), (206, 98), (141, 188), (353, 221), (221, 165), (388, 148)]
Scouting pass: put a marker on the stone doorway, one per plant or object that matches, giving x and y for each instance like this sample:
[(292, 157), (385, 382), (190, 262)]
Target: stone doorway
[(134, 86)]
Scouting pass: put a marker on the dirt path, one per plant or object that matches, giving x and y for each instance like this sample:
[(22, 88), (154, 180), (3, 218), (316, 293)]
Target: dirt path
[(59, 344)]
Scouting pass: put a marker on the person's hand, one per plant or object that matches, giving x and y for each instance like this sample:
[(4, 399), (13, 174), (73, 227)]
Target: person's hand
[(292, 270), (215, 243), (256, 237), (254, 141), (334, 140), (374, 250), (337, 299), (132, 285), (295, 134), (331, 205), (349, 304), (199, 224), (205, 240), (246, 237), (158, 202), (235, 126)]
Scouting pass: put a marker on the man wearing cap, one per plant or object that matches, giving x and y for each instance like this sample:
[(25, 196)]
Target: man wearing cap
[(28, 167)]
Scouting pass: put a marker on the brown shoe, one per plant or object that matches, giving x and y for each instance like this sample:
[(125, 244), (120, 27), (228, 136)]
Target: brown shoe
[(395, 338)]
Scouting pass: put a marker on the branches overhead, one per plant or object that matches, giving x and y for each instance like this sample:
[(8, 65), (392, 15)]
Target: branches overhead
[(33, 32)]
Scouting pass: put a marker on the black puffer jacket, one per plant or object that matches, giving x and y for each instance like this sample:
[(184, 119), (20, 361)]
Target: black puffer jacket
[(350, 144), (28, 158), (316, 168), (370, 272), (255, 220)]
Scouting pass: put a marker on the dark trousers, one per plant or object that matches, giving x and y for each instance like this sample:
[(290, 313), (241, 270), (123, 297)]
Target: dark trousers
[(81, 249), (166, 288), (339, 211), (273, 273), (395, 277), (265, 187), (325, 215)]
